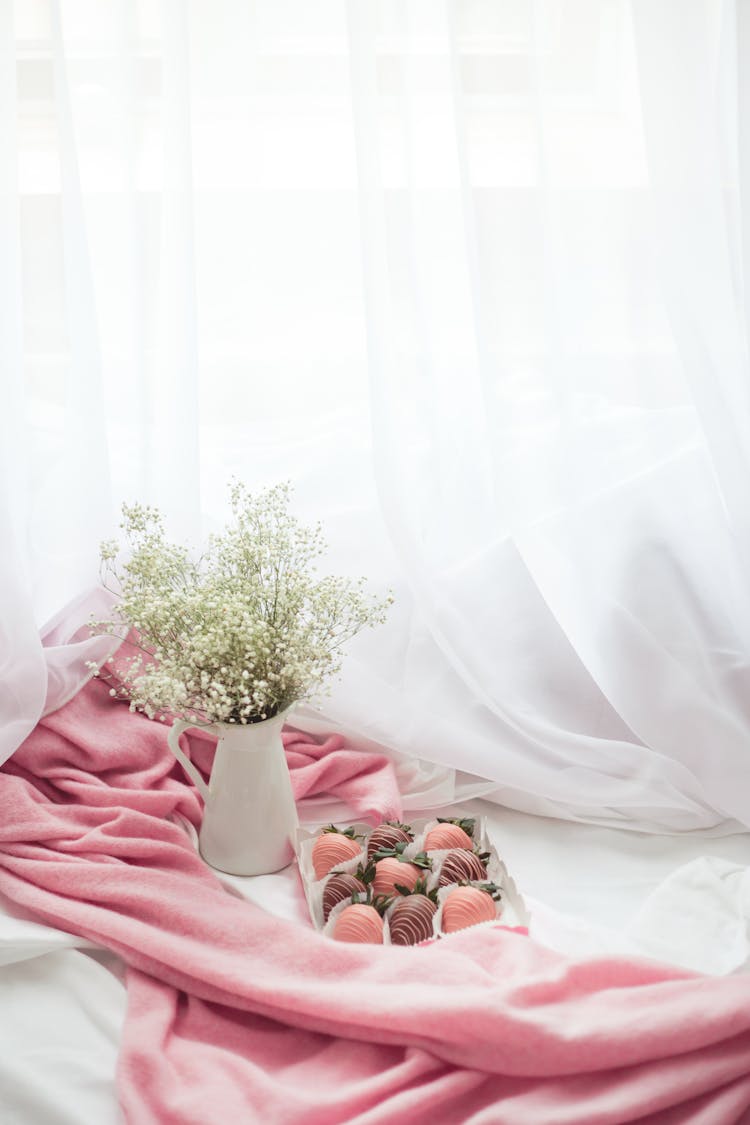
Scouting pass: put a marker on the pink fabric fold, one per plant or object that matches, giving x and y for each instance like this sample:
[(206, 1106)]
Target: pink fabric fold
[(365, 782), (235, 1015)]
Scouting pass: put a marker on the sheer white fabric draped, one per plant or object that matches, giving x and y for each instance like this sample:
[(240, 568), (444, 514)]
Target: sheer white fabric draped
[(472, 275)]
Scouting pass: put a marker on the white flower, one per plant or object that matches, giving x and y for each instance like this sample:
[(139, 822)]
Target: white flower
[(244, 632)]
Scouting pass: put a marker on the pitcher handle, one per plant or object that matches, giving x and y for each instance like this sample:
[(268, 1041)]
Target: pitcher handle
[(178, 726)]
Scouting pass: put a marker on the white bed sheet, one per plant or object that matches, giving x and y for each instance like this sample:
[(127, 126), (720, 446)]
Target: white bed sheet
[(62, 1008), (590, 890)]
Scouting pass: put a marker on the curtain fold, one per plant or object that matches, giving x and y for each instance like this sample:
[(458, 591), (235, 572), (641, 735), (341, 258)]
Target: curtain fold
[(473, 276)]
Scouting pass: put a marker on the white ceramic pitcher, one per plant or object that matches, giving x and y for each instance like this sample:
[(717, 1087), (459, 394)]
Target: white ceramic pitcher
[(250, 818)]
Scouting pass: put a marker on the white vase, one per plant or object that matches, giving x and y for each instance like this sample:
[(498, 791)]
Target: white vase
[(250, 818)]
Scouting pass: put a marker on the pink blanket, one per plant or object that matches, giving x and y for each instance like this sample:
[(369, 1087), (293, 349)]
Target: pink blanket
[(366, 782), (237, 1016)]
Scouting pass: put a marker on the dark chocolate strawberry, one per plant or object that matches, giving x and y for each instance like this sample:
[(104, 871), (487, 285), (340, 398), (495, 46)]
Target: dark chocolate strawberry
[(410, 921), (460, 864), (339, 887), (387, 835)]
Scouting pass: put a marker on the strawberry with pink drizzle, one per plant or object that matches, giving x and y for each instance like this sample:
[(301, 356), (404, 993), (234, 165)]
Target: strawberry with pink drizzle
[(469, 905), (359, 923), (332, 848), (392, 869), (450, 834), (362, 922)]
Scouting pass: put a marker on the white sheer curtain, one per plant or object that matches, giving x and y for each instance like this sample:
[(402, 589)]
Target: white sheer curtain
[(472, 274)]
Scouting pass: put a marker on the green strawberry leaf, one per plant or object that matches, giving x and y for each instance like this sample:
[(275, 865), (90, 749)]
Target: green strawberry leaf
[(468, 823), (342, 832), (397, 824), (396, 852)]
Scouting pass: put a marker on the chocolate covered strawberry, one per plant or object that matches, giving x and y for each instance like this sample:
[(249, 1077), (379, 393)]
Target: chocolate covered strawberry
[(333, 847), (411, 919), (450, 834), (387, 835), (338, 887), (461, 864), (393, 867), (468, 905)]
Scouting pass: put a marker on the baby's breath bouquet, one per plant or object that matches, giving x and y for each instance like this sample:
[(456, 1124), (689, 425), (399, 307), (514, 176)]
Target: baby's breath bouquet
[(239, 634)]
